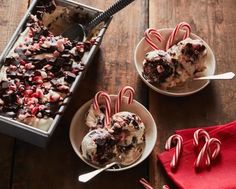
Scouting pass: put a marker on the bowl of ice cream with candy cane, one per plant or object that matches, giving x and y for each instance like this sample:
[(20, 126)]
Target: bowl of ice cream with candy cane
[(111, 126), (168, 60)]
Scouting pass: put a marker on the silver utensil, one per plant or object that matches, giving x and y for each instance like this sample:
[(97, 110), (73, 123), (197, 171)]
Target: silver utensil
[(122, 160), (79, 32), (228, 75)]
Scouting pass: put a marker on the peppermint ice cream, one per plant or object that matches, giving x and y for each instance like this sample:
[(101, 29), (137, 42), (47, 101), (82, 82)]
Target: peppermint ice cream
[(175, 66), (37, 74)]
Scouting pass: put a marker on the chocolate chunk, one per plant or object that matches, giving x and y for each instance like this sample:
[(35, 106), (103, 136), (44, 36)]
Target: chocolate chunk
[(100, 141), (51, 109), (11, 61), (44, 32), (135, 124), (10, 108), (59, 61), (70, 77), (134, 140), (9, 98), (38, 63)]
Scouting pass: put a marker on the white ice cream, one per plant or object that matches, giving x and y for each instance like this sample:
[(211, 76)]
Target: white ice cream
[(130, 128)]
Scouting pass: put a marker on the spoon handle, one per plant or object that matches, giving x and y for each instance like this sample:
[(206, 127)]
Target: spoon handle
[(117, 6), (228, 75), (87, 176)]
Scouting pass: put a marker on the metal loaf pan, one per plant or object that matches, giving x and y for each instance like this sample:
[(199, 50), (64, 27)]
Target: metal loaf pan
[(28, 133)]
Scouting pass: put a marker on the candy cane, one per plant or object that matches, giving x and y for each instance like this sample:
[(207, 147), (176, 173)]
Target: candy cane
[(145, 183), (203, 154), (206, 154), (156, 34), (181, 25), (198, 134), (165, 187), (96, 107), (178, 148), (216, 151), (126, 89)]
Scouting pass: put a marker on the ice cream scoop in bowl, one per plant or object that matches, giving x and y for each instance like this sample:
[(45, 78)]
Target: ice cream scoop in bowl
[(122, 158), (170, 78)]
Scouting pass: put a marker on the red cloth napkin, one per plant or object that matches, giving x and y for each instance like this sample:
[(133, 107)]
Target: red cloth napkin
[(221, 175)]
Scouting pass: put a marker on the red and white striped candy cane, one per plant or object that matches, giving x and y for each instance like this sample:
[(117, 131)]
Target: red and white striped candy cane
[(203, 154), (126, 89), (145, 183), (107, 99), (181, 25), (178, 149), (165, 187), (152, 32), (208, 153), (198, 135), (214, 153)]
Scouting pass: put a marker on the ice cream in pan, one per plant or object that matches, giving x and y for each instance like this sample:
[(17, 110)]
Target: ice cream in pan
[(37, 73), (119, 135)]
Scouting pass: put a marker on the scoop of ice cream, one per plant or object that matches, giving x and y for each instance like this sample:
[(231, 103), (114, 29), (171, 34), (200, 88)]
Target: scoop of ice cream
[(158, 66), (95, 118), (189, 53), (98, 146), (128, 129)]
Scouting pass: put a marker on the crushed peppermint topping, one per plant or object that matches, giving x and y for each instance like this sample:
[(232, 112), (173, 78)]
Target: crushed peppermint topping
[(36, 77)]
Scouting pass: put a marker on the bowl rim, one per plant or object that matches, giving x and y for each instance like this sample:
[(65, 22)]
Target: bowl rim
[(143, 156), (168, 93)]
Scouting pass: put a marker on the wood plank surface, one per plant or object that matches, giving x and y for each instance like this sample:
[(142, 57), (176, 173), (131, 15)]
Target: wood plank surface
[(57, 166), (215, 22), (24, 166), (8, 24)]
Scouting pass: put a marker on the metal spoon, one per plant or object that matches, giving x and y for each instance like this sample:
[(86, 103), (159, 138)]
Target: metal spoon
[(123, 160), (78, 32), (228, 75)]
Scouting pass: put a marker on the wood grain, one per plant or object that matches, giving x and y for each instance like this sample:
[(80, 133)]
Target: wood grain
[(8, 24), (25, 166), (215, 22)]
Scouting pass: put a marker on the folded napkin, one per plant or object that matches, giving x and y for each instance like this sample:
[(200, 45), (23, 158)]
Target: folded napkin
[(221, 174)]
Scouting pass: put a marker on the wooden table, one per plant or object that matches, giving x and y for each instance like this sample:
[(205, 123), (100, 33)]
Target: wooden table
[(24, 166)]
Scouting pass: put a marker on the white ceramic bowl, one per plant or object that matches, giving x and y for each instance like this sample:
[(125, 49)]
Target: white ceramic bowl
[(189, 87), (78, 129)]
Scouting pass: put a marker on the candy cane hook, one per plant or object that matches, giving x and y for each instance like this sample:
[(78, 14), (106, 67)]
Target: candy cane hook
[(152, 32), (126, 89), (214, 153), (181, 25), (178, 149), (203, 154), (107, 99)]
